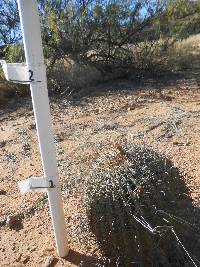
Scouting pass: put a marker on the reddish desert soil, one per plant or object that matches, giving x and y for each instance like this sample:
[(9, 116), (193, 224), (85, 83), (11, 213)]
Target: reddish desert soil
[(167, 119)]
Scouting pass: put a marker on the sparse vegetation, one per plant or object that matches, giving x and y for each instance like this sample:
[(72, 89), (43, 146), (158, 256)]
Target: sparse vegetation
[(84, 130), (87, 42), (138, 208), (9, 90)]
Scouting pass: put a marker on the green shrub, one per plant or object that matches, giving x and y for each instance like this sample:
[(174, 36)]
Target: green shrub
[(14, 53)]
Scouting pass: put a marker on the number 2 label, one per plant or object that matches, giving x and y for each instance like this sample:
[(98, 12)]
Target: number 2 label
[(31, 76)]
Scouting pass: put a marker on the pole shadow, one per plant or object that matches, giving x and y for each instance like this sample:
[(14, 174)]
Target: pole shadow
[(83, 260)]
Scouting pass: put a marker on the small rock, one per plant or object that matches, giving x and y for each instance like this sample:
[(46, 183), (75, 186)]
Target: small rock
[(11, 157), (32, 126), (33, 249), (167, 97), (130, 108), (181, 143), (50, 261), (14, 222), (2, 192), (58, 138), (2, 144), (26, 147), (25, 259), (11, 220), (2, 221), (19, 257)]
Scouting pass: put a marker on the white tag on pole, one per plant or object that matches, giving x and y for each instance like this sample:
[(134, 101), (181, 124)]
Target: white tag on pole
[(35, 184), (16, 72), (20, 73)]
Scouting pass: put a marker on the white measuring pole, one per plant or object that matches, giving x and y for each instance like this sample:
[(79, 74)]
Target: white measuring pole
[(30, 25)]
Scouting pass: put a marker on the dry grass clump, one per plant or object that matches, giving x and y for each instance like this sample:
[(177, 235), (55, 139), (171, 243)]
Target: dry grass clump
[(128, 192), (9, 90), (66, 74), (185, 54)]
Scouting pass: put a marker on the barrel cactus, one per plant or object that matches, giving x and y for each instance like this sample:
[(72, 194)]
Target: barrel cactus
[(128, 191)]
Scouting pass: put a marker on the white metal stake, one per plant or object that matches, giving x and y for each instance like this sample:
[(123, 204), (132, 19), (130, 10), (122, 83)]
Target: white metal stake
[(30, 25)]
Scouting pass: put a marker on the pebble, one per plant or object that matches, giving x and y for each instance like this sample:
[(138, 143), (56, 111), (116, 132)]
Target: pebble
[(2, 192), (12, 221), (49, 262), (32, 126), (19, 257), (2, 221), (26, 147), (25, 259), (2, 144), (33, 249)]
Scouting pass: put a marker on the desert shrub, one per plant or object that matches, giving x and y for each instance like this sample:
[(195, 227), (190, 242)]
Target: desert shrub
[(15, 53), (11, 90), (104, 39), (12, 53), (128, 192), (65, 75), (184, 54), (105, 35)]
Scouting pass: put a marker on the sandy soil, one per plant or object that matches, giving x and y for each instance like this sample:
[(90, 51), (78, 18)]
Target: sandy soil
[(167, 119)]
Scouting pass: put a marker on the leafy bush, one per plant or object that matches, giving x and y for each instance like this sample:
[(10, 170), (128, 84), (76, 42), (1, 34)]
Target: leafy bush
[(109, 39), (15, 53), (104, 34)]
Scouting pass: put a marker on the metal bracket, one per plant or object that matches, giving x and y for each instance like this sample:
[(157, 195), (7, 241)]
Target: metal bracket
[(36, 184)]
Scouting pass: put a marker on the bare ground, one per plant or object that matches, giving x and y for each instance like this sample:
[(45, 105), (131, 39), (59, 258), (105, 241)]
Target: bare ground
[(166, 116)]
